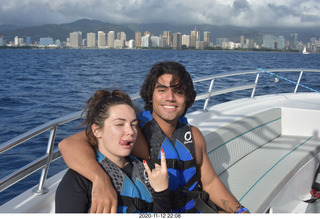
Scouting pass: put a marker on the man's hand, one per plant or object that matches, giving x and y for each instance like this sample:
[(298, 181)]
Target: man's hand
[(104, 197)]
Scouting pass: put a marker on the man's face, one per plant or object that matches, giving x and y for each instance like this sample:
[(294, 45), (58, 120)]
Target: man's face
[(168, 100)]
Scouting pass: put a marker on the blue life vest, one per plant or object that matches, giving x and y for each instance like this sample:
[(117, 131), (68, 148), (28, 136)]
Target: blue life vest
[(135, 193), (180, 157)]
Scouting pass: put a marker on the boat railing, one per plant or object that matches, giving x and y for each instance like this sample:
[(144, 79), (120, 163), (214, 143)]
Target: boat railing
[(206, 96), (51, 155), (42, 162)]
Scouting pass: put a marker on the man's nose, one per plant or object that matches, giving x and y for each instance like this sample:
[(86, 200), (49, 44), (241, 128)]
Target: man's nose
[(170, 95)]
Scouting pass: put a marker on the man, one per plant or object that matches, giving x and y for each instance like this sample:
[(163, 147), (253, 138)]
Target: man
[(168, 93)]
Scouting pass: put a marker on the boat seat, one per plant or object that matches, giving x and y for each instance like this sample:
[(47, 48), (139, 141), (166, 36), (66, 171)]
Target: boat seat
[(230, 143), (254, 160), (259, 176)]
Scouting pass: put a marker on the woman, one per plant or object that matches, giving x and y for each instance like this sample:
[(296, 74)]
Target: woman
[(111, 127)]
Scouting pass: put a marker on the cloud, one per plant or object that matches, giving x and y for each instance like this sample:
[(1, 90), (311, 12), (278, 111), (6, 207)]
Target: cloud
[(241, 6), (250, 13)]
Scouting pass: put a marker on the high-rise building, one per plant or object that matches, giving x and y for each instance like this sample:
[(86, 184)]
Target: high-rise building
[(58, 42), (118, 44), (200, 45), (21, 41), (101, 39), (177, 41), (28, 40), (75, 39), (268, 41), (46, 41), (206, 38), (186, 40), (195, 36), (249, 43), (137, 39), (293, 41), (167, 38), (281, 43), (242, 41), (131, 44), (155, 41), (16, 41), (1, 40), (111, 36), (145, 41), (91, 40), (123, 36)]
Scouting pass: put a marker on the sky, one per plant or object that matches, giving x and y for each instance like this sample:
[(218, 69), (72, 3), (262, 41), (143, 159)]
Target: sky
[(245, 13)]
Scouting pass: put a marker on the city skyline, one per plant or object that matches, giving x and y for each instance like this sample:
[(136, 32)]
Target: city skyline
[(247, 13), (167, 40)]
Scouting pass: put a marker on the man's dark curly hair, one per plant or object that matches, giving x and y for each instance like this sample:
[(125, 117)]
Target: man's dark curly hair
[(179, 74)]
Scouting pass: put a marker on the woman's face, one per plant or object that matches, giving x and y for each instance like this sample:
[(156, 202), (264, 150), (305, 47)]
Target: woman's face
[(117, 136)]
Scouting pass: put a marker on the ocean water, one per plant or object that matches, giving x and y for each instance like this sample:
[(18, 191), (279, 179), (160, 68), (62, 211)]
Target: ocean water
[(40, 85)]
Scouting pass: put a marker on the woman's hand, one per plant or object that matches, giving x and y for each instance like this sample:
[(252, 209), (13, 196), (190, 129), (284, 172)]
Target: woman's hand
[(158, 177)]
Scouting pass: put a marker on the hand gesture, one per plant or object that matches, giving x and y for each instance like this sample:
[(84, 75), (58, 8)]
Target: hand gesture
[(158, 177)]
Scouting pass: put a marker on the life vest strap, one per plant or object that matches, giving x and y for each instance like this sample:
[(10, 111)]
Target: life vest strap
[(177, 164), (182, 195), (202, 203), (191, 182), (135, 204)]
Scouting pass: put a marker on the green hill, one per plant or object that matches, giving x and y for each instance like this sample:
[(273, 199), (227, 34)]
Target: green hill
[(62, 31)]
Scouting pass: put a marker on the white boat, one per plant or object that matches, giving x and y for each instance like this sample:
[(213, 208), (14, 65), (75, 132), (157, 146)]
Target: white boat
[(305, 51), (264, 148)]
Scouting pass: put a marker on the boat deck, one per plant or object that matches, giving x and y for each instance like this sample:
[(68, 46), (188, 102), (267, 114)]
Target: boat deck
[(254, 162)]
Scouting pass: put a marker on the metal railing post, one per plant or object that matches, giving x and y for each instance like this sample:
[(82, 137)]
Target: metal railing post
[(256, 82), (41, 188), (209, 94), (298, 82)]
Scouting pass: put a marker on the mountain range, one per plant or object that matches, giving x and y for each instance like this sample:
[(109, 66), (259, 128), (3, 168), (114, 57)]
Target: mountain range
[(62, 31)]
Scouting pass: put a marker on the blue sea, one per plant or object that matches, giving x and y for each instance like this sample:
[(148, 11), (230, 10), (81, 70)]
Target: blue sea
[(40, 85)]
